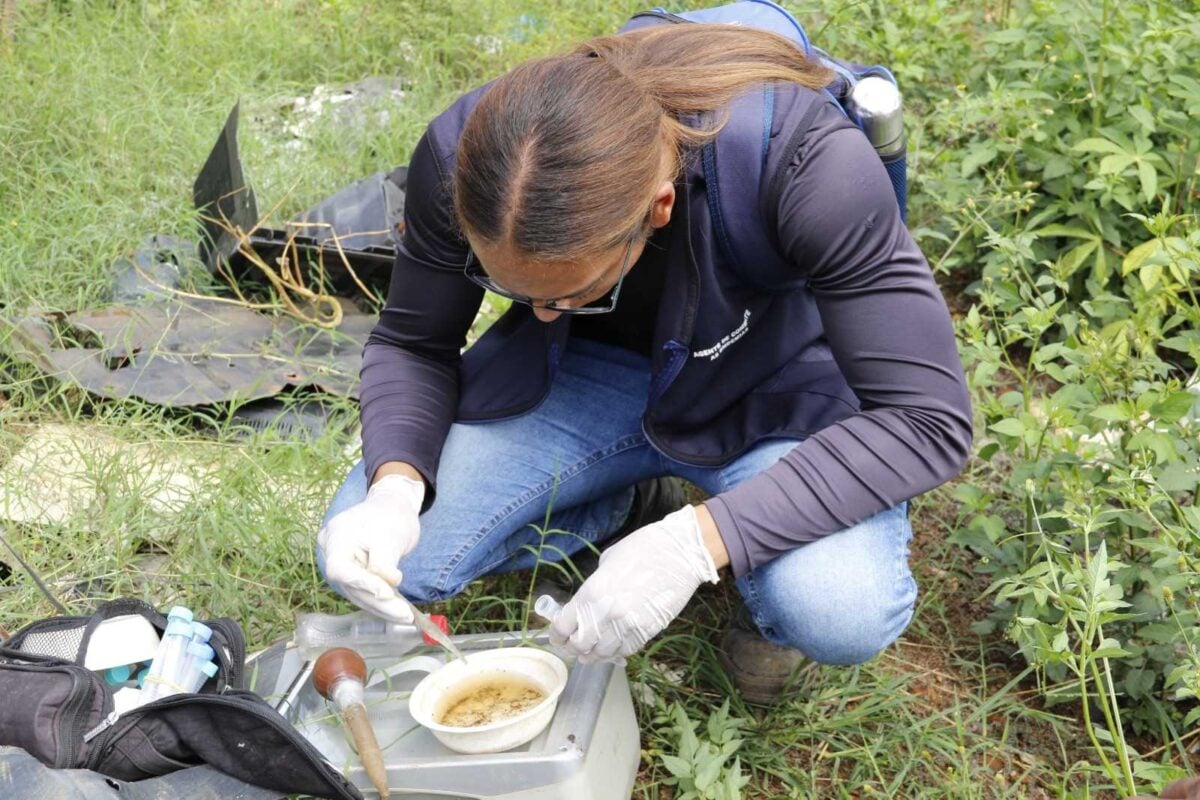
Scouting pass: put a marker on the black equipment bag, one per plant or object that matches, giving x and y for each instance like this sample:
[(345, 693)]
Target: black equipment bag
[(62, 714)]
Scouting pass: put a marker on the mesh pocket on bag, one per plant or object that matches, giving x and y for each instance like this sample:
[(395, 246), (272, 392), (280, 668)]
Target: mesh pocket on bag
[(60, 643)]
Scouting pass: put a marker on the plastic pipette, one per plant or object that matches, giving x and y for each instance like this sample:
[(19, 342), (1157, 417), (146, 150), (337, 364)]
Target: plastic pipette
[(371, 636)]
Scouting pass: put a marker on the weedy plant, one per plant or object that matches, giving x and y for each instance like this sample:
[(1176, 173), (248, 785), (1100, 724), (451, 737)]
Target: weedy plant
[(1087, 518), (1082, 351), (701, 769)]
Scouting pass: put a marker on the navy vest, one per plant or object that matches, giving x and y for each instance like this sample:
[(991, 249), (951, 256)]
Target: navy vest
[(733, 361)]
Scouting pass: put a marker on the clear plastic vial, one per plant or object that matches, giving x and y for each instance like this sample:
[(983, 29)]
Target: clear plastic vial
[(198, 654), (168, 658), (198, 650), (546, 607), (200, 675)]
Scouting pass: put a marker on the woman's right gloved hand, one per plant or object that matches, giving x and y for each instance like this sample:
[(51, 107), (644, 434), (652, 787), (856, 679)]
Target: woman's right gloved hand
[(360, 548)]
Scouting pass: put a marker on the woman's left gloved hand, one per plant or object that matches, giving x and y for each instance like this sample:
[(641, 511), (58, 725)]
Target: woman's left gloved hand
[(642, 583)]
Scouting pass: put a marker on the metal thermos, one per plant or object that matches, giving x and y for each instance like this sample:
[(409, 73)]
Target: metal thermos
[(876, 102)]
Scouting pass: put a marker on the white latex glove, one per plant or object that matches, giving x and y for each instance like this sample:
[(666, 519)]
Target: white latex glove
[(362, 546), (642, 583)]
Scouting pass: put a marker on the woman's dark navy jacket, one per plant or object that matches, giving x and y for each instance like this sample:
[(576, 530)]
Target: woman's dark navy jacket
[(856, 355)]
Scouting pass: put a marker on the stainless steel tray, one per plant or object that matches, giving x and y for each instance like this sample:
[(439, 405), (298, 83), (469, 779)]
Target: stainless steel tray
[(589, 751)]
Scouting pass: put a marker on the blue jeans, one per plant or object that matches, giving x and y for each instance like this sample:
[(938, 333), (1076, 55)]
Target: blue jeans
[(839, 600)]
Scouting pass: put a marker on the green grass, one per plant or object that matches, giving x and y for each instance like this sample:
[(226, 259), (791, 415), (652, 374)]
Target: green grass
[(111, 108)]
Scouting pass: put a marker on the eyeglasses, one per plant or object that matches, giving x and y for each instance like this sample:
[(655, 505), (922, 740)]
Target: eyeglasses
[(601, 305)]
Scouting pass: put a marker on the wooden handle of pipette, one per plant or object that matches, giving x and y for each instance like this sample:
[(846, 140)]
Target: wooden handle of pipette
[(355, 719), (343, 664)]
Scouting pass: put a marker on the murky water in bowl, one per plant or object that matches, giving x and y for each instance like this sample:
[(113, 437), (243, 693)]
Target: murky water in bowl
[(488, 698)]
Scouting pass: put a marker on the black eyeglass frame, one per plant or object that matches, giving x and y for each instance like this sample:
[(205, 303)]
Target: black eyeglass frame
[(476, 274)]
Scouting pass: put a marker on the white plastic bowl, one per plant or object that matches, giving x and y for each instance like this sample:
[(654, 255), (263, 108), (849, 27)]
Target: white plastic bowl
[(544, 669)]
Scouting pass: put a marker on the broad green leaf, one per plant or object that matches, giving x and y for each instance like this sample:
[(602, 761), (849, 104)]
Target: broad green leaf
[(676, 766), (1008, 427), (1066, 230), (1179, 477), (707, 775), (1186, 342), (1099, 146), (1056, 166), (1144, 117), (976, 158), (1111, 413), (1162, 445), (984, 627), (1109, 648), (1073, 260), (1100, 270), (1149, 180), (1150, 275), (1136, 256), (1116, 164), (1098, 568), (1174, 406)]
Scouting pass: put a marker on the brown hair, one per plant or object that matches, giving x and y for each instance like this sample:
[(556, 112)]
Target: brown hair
[(561, 157)]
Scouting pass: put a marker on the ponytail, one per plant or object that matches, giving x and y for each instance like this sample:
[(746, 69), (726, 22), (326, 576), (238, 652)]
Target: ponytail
[(561, 157)]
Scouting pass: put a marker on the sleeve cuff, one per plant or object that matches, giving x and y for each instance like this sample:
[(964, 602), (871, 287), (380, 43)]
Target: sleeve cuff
[(731, 535), (427, 472)]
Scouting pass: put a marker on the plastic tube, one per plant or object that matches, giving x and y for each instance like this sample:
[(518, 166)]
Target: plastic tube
[(204, 671), (115, 676), (196, 653), (546, 607), (167, 658), (201, 633)]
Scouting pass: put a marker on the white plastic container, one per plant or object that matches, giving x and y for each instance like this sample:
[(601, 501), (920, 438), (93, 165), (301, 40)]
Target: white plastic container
[(542, 668)]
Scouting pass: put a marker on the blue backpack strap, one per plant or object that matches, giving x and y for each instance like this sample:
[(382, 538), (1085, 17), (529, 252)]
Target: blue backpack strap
[(734, 165), (762, 14), (735, 176), (734, 162)]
